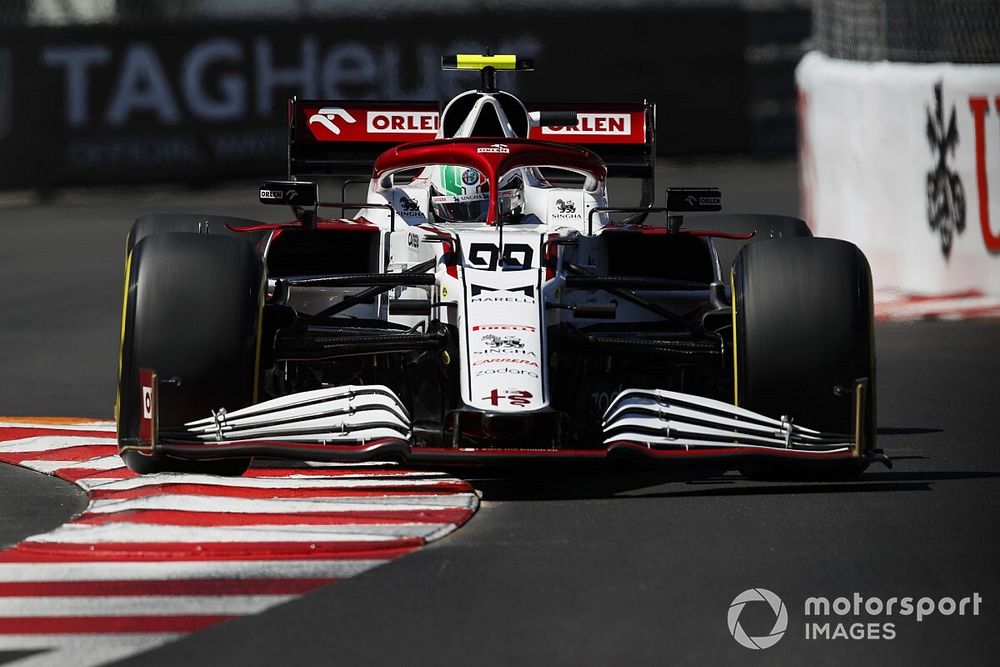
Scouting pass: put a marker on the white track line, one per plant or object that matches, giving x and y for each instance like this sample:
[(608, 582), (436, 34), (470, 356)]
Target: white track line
[(106, 479), (284, 505), (82, 650), (138, 605), (99, 463), (146, 532), (47, 443), (311, 568), (332, 482), (81, 426)]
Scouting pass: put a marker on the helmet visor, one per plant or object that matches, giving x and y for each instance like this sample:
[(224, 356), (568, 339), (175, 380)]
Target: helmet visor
[(461, 208), (511, 203)]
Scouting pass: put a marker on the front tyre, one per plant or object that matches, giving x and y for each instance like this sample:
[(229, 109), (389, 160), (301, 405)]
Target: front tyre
[(192, 313), (803, 338)]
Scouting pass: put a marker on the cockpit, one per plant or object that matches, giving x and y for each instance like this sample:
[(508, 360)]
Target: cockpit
[(462, 194)]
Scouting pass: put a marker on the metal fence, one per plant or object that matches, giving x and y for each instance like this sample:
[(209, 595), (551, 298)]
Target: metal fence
[(919, 31)]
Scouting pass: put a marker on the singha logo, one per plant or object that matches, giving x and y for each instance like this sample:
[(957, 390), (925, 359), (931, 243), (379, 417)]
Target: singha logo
[(408, 206), (565, 206), (945, 194), (497, 342)]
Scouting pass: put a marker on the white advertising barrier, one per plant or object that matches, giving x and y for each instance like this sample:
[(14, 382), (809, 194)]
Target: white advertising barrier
[(904, 160)]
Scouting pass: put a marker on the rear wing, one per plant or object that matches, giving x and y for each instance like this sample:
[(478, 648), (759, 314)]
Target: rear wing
[(342, 137)]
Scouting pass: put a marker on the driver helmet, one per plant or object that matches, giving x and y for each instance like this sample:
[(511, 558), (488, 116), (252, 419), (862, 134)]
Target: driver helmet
[(462, 194)]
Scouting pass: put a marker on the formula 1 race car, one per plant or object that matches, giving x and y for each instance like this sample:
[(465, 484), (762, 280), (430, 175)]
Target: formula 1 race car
[(486, 303)]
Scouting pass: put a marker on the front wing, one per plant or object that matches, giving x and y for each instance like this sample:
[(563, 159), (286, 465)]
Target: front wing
[(369, 423)]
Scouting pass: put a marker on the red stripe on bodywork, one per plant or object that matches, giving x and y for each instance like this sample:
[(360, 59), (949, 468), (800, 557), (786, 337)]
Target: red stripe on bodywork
[(724, 452)]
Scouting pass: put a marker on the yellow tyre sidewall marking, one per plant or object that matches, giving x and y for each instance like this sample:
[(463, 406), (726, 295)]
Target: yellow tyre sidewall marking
[(732, 289)]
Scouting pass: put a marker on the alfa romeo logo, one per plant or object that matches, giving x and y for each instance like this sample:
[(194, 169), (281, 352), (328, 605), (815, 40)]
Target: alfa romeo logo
[(780, 618)]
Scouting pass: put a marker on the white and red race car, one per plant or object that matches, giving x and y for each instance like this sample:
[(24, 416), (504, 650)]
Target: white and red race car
[(487, 303)]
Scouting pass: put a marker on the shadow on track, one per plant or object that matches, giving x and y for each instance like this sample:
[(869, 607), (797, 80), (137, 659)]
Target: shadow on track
[(512, 484), (907, 430)]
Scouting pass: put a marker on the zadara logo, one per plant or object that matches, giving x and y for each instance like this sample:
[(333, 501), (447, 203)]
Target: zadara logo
[(757, 595)]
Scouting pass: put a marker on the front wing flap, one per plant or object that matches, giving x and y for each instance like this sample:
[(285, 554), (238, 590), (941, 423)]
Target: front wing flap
[(359, 423), (674, 420)]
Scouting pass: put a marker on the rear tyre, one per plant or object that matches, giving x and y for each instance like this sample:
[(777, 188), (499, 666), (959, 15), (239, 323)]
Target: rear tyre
[(804, 333), (192, 312), (762, 226)]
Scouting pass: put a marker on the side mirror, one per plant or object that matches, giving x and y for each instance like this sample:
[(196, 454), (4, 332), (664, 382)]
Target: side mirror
[(689, 200), (300, 194)]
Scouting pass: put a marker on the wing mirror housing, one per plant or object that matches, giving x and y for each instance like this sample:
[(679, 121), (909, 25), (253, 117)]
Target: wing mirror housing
[(302, 196), (693, 200)]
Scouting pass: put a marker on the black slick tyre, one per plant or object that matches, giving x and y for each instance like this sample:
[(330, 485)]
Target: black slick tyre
[(191, 313), (803, 338)]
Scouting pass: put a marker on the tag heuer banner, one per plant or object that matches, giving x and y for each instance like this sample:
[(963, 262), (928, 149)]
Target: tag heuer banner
[(106, 104)]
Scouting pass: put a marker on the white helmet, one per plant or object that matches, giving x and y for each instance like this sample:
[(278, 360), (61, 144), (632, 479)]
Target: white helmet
[(462, 194)]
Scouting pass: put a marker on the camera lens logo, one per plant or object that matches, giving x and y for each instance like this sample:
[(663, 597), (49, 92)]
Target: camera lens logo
[(780, 618)]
